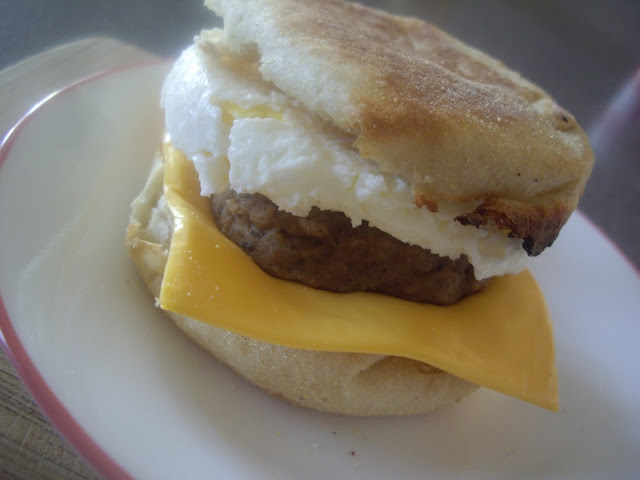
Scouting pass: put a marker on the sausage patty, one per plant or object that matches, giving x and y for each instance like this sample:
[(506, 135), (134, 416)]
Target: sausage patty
[(324, 251)]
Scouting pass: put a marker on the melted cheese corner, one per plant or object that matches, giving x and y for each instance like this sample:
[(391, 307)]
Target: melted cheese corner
[(501, 339)]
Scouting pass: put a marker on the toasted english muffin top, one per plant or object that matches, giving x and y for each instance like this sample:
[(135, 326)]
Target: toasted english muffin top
[(455, 122)]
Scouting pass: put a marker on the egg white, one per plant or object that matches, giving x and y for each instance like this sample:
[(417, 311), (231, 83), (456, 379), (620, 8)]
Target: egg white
[(241, 132)]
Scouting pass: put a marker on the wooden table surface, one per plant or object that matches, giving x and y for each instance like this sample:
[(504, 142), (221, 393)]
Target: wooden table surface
[(30, 448)]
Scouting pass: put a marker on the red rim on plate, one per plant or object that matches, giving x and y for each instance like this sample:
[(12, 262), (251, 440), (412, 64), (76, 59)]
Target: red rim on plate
[(49, 403)]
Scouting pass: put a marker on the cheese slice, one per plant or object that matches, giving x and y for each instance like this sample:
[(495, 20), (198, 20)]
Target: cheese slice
[(501, 338)]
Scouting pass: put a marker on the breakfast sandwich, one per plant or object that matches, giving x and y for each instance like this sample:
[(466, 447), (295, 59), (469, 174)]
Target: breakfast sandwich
[(345, 203)]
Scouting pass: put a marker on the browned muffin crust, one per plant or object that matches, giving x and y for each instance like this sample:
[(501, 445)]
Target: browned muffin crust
[(537, 226), (324, 251)]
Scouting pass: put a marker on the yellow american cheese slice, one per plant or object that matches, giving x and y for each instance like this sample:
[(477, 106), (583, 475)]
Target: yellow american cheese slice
[(501, 338)]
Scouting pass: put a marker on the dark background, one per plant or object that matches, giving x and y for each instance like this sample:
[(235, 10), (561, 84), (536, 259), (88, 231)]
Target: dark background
[(581, 52)]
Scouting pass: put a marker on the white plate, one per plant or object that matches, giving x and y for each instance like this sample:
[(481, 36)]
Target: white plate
[(135, 397)]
